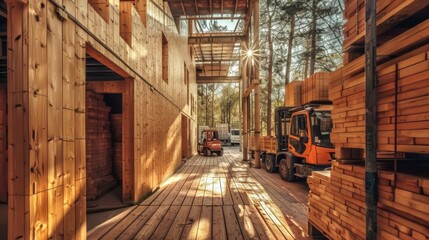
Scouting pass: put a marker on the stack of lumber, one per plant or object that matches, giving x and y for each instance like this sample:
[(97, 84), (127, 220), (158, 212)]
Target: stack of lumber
[(404, 199), (3, 142), (315, 87), (354, 14), (98, 146), (116, 124), (337, 203), (389, 13), (293, 94), (337, 198), (403, 97)]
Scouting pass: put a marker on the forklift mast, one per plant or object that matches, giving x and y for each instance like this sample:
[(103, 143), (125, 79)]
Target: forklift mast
[(282, 118)]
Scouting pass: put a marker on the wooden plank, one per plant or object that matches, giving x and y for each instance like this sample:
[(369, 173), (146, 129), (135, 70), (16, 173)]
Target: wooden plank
[(190, 230), (177, 227), (55, 104), (166, 223), (149, 227), (55, 225), (232, 224), (205, 226)]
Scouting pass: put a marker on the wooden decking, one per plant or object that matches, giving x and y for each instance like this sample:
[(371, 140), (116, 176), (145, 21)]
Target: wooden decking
[(215, 198)]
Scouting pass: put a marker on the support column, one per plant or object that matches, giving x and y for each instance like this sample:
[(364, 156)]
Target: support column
[(245, 102), (371, 120), (257, 87)]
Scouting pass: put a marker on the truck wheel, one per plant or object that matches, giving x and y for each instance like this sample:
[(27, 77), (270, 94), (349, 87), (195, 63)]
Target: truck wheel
[(287, 173), (220, 153), (269, 163), (205, 152)]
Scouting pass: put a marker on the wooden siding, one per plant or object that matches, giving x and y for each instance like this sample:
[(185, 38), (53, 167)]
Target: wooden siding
[(46, 87)]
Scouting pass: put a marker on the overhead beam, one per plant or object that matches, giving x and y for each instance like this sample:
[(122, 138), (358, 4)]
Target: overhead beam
[(217, 79), (248, 18), (211, 17), (215, 39), (227, 60)]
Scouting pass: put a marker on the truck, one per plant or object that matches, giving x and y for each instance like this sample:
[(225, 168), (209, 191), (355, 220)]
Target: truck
[(302, 141), (209, 143), (235, 137), (223, 129)]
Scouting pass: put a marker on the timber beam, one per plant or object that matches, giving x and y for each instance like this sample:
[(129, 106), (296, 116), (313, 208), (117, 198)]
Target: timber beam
[(216, 79), (215, 39)]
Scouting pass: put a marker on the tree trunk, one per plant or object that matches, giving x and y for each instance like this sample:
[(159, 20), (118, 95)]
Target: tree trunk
[(313, 37), (270, 69), (289, 48)]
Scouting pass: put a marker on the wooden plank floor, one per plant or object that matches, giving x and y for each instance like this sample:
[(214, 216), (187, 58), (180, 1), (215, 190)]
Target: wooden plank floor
[(215, 198)]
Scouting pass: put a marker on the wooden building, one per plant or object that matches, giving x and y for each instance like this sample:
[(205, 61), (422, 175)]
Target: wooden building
[(64, 60)]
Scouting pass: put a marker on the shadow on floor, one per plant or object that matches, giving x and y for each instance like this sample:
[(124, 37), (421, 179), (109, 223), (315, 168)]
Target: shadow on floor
[(105, 208)]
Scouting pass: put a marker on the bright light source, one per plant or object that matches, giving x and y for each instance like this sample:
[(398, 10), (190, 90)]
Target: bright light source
[(249, 53)]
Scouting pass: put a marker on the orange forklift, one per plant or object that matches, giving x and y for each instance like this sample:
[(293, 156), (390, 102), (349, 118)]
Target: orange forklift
[(209, 143), (302, 141)]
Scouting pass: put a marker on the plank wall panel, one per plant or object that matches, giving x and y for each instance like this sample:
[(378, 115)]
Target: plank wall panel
[(49, 111)]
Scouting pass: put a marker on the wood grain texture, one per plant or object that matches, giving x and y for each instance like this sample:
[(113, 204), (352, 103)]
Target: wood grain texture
[(259, 208)]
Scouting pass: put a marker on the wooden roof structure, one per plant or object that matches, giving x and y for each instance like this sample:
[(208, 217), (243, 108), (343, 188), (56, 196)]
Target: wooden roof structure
[(216, 53)]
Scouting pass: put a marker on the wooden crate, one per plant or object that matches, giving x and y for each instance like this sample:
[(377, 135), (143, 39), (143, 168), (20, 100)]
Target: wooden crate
[(293, 94), (315, 88)]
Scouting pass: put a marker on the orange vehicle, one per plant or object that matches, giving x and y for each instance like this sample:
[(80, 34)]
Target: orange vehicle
[(302, 141), (209, 143)]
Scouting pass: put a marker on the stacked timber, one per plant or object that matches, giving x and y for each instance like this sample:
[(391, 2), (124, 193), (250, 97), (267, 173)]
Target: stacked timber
[(116, 125), (404, 199), (98, 146), (337, 203), (403, 97), (390, 13), (315, 87), (293, 94), (402, 127), (3, 142), (402, 89)]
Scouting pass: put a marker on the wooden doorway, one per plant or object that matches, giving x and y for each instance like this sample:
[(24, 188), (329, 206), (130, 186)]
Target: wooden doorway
[(105, 78), (110, 91), (186, 137)]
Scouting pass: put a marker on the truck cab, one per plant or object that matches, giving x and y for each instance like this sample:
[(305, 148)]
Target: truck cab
[(209, 143), (235, 136), (303, 140)]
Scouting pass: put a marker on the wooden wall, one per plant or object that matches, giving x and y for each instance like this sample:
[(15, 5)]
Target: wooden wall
[(46, 95), (3, 145)]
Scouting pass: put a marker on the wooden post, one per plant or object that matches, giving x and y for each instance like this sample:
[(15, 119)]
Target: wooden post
[(257, 88), (245, 103), (371, 120), (190, 28)]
